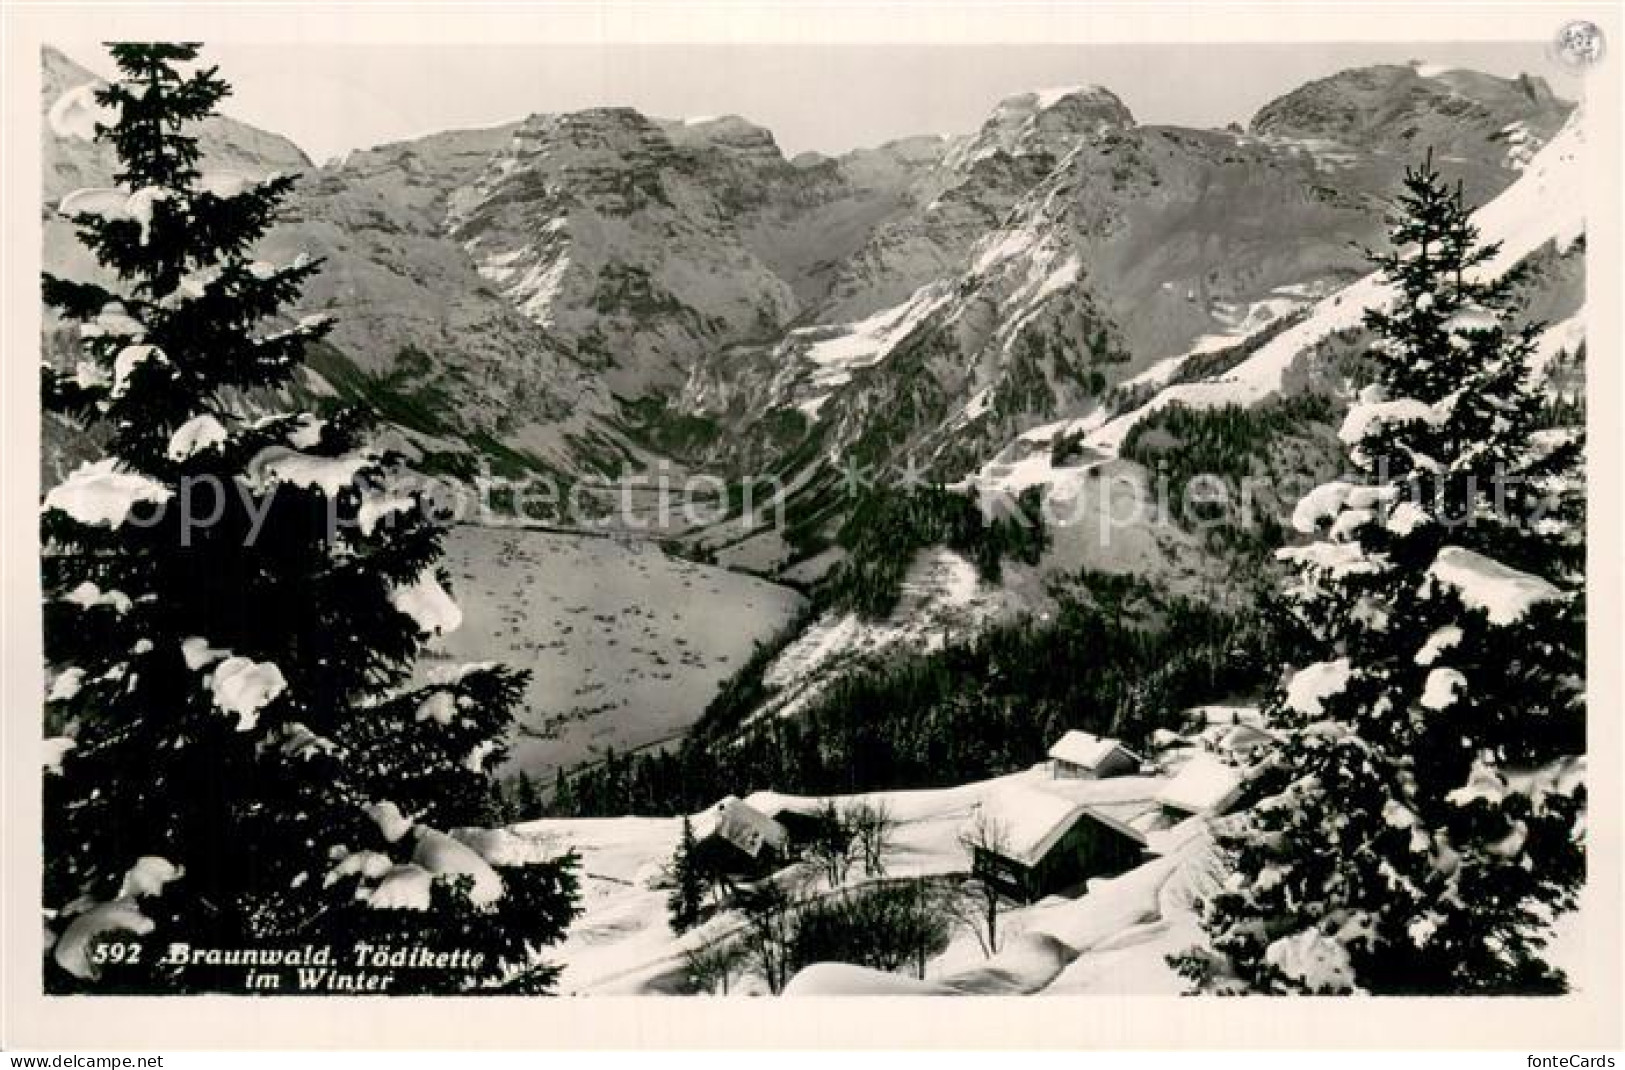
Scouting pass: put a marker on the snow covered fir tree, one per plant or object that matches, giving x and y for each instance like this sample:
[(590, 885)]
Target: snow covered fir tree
[(241, 759), (1423, 818)]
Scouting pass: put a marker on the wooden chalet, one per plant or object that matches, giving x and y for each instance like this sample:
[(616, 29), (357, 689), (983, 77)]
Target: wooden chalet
[(735, 838), (1079, 755), (1205, 785), (1033, 843), (803, 822)]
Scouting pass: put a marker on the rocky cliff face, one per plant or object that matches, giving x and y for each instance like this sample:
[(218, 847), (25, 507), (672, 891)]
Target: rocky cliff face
[(568, 288), (599, 228), (418, 332), (976, 180), (1065, 250), (416, 323)]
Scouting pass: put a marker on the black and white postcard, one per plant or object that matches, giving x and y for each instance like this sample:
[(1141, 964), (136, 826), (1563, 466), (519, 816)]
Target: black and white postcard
[(721, 505)]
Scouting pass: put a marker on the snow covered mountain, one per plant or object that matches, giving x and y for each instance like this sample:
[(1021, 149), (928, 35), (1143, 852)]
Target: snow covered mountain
[(1073, 249), (1292, 353), (1541, 212), (568, 289), (603, 289), (419, 334)]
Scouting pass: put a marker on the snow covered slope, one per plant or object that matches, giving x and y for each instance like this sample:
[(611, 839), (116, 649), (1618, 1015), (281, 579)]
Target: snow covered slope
[(1069, 249), (625, 645), (621, 945), (1545, 205), (942, 598)]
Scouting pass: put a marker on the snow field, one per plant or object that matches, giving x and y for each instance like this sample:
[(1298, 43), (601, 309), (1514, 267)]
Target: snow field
[(626, 645), (1110, 940)]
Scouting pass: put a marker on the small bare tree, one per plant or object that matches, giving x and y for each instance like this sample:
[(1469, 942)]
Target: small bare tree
[(873, 830), (830, 847), (712, 967), (769, 912), (984, 838)]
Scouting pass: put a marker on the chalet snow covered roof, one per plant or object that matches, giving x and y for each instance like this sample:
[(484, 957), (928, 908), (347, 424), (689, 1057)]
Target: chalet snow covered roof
[(1204, 785), (1237, 739), (1086, 750), (1245, 737), (1134, 819), (1023, 823), (742, 825)]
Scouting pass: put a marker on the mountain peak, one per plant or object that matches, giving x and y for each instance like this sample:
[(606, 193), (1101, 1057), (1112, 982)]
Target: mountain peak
[(59, 71), (597, 140), (1407, 108), (1045, 121), (729, 133), (1077, 104)]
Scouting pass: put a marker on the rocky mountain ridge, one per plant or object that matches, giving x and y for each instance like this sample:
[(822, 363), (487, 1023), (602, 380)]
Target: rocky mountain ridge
[(602, 289)]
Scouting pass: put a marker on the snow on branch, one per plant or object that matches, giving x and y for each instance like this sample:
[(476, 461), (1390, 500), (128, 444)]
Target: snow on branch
[(279, 464), (428, 603), (97, 494), (243, 686), (194, 436), (1316, 961), (1503, 593), (77, 112), (442, 855), (1310, 687)]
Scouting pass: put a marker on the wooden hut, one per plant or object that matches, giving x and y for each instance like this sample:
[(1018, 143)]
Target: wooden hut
[(735, 838), (1205, 785), (1031, 843), (1081, 756), (805, 823)]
